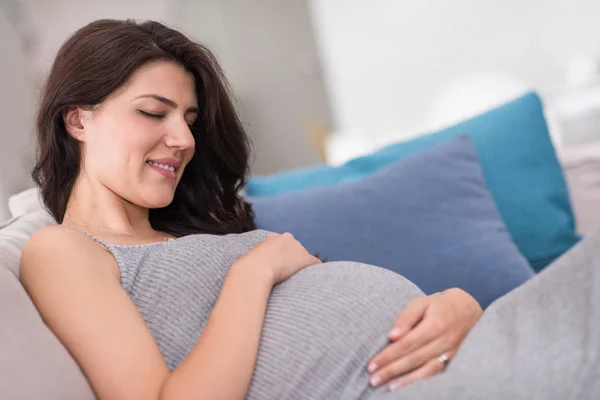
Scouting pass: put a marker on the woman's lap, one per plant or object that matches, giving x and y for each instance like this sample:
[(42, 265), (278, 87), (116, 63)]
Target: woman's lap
[(540, 341)]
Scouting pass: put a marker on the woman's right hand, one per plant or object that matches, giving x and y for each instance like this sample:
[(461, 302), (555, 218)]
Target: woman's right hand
[(282, 254)]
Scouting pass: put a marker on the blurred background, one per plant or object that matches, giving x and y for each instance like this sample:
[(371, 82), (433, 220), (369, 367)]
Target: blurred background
[(322, 81)]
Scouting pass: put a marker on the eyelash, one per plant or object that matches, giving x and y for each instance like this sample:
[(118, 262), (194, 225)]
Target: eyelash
[(160, 116), (147, 114)]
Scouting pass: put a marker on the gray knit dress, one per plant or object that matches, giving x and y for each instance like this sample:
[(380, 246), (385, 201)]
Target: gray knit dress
[(539, 342), (322, 325)]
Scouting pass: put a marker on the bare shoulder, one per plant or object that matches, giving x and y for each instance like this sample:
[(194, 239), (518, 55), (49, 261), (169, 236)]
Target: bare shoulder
[(73, 284), (59, 247), (57, 236)]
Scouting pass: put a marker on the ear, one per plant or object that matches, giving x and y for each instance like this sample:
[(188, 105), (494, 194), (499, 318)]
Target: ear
[(75, 119)]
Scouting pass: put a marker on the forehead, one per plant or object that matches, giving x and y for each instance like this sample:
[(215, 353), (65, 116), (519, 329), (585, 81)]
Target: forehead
[(165, 79)]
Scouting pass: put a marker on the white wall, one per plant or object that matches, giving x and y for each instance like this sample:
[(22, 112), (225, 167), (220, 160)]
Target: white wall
[(268, 52), (53, 21), (385, 60), (16, 113)]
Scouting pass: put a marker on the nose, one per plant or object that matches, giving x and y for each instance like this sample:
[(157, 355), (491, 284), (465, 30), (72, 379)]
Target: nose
[(180, 136)]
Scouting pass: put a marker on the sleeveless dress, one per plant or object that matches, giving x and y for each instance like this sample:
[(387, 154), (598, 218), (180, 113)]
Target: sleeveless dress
[(321, 328), (539, 342)]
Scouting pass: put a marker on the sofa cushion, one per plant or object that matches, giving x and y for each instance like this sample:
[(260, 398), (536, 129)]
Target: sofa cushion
[(33, 362), (428, 217), (581, 166), (519, 165)]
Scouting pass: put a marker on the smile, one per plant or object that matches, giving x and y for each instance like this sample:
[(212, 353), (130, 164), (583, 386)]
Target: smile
[(163, 166), (167, 167)]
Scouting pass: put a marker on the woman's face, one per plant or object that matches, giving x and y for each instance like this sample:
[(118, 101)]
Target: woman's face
[(138, 141)]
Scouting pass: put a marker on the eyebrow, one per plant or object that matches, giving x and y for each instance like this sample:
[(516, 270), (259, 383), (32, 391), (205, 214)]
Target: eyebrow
[(168, 102)]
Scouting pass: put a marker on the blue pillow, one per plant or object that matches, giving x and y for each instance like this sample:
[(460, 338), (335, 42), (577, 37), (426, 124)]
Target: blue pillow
[(428, 217), (519, 165)]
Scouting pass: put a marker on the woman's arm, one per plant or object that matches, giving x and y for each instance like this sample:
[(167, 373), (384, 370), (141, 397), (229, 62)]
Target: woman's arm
[(221, 364), (75, 285)]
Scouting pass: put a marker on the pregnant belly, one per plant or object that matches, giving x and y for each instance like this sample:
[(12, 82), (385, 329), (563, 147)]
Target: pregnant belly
[(321, 328)]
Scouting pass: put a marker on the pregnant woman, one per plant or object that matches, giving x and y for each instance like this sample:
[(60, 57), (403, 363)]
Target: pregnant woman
[(160, 286)]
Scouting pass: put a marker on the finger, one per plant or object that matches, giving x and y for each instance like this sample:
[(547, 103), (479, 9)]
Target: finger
[(408, 318), (414, 339), (432, 367), (412, 361)]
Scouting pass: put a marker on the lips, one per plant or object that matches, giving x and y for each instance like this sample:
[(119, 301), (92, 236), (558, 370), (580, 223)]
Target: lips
[(170, 161), (165, 166)]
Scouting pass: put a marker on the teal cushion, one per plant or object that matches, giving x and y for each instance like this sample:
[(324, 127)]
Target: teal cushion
[(519, 166)]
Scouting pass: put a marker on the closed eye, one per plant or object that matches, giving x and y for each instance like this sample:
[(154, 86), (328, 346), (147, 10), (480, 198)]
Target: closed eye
[(147, 114), (192, 127)]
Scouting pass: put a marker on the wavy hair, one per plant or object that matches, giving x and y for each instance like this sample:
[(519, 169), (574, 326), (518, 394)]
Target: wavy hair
[(99, 58)]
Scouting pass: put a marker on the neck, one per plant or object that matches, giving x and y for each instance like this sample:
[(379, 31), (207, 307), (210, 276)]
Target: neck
[(99, 207)]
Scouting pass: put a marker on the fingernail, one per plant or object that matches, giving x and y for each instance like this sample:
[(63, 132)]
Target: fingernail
[(396, 333), (375, 380), (372, 367)]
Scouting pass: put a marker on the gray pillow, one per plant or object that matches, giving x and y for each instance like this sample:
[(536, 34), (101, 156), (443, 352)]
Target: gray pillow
[(33, 362), (428, 217)]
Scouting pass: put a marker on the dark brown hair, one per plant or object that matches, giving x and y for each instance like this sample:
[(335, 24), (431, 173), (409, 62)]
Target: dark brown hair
[(98, 59)]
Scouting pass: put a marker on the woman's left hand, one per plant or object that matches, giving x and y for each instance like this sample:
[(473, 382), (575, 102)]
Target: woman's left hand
[(427, 329)]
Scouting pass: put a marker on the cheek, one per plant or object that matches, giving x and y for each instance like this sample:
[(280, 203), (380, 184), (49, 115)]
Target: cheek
[(123, 142), (134, 136), (141, 137)]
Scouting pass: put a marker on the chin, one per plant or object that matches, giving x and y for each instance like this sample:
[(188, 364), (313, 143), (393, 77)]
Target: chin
[(158, 201)]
